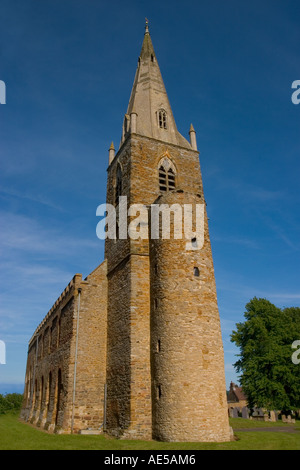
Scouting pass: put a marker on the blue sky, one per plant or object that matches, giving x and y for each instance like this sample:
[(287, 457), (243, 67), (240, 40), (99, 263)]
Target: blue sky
[(69, 67)]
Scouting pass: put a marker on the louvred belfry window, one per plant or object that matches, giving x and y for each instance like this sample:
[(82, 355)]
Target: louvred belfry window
[(166, 175), (171, 179), (162, 179)]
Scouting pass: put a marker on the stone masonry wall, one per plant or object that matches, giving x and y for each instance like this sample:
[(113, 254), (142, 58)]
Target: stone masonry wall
[(188, 387), (91, 354), (184, 314), (128, 358), (49, 382)]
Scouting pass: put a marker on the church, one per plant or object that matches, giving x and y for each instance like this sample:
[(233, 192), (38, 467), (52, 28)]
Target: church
[(135, 349)]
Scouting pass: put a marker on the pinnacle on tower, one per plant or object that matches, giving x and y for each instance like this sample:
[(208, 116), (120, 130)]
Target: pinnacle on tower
[(193, 141), (111, 153)]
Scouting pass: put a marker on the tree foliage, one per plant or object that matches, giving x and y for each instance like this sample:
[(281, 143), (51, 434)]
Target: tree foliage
[(269, 377), (10, 402)]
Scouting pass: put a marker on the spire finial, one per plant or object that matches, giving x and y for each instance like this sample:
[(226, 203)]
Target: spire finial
[(146, 26)]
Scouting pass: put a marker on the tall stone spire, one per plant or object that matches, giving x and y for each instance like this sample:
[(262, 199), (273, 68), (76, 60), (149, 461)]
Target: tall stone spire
[(149, 102)]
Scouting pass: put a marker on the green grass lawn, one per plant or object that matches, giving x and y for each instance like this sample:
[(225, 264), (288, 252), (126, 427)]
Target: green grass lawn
[(16, 435)]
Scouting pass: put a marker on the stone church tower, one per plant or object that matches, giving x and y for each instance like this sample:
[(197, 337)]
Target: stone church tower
[(165, 366), (135, 348)]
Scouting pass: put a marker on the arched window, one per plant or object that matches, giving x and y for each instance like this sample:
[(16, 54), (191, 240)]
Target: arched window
[(118, 184), (162, 119), (166, 175)]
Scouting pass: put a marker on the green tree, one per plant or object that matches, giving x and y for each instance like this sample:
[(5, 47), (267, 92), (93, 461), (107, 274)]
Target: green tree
[(10, 402), (268, 376)]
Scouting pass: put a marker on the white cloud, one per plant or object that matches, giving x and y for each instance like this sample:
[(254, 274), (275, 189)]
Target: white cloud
[(30, 197), (23, 233)]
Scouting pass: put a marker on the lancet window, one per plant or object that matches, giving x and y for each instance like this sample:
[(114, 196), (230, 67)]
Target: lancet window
[(166, 175)]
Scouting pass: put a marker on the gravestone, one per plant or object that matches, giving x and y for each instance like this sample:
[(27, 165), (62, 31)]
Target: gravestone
[(235, 413), (245, 412), (258, 414), (289, 419)]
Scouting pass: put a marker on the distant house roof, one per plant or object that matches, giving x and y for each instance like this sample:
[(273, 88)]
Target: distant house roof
[(236, 393)]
